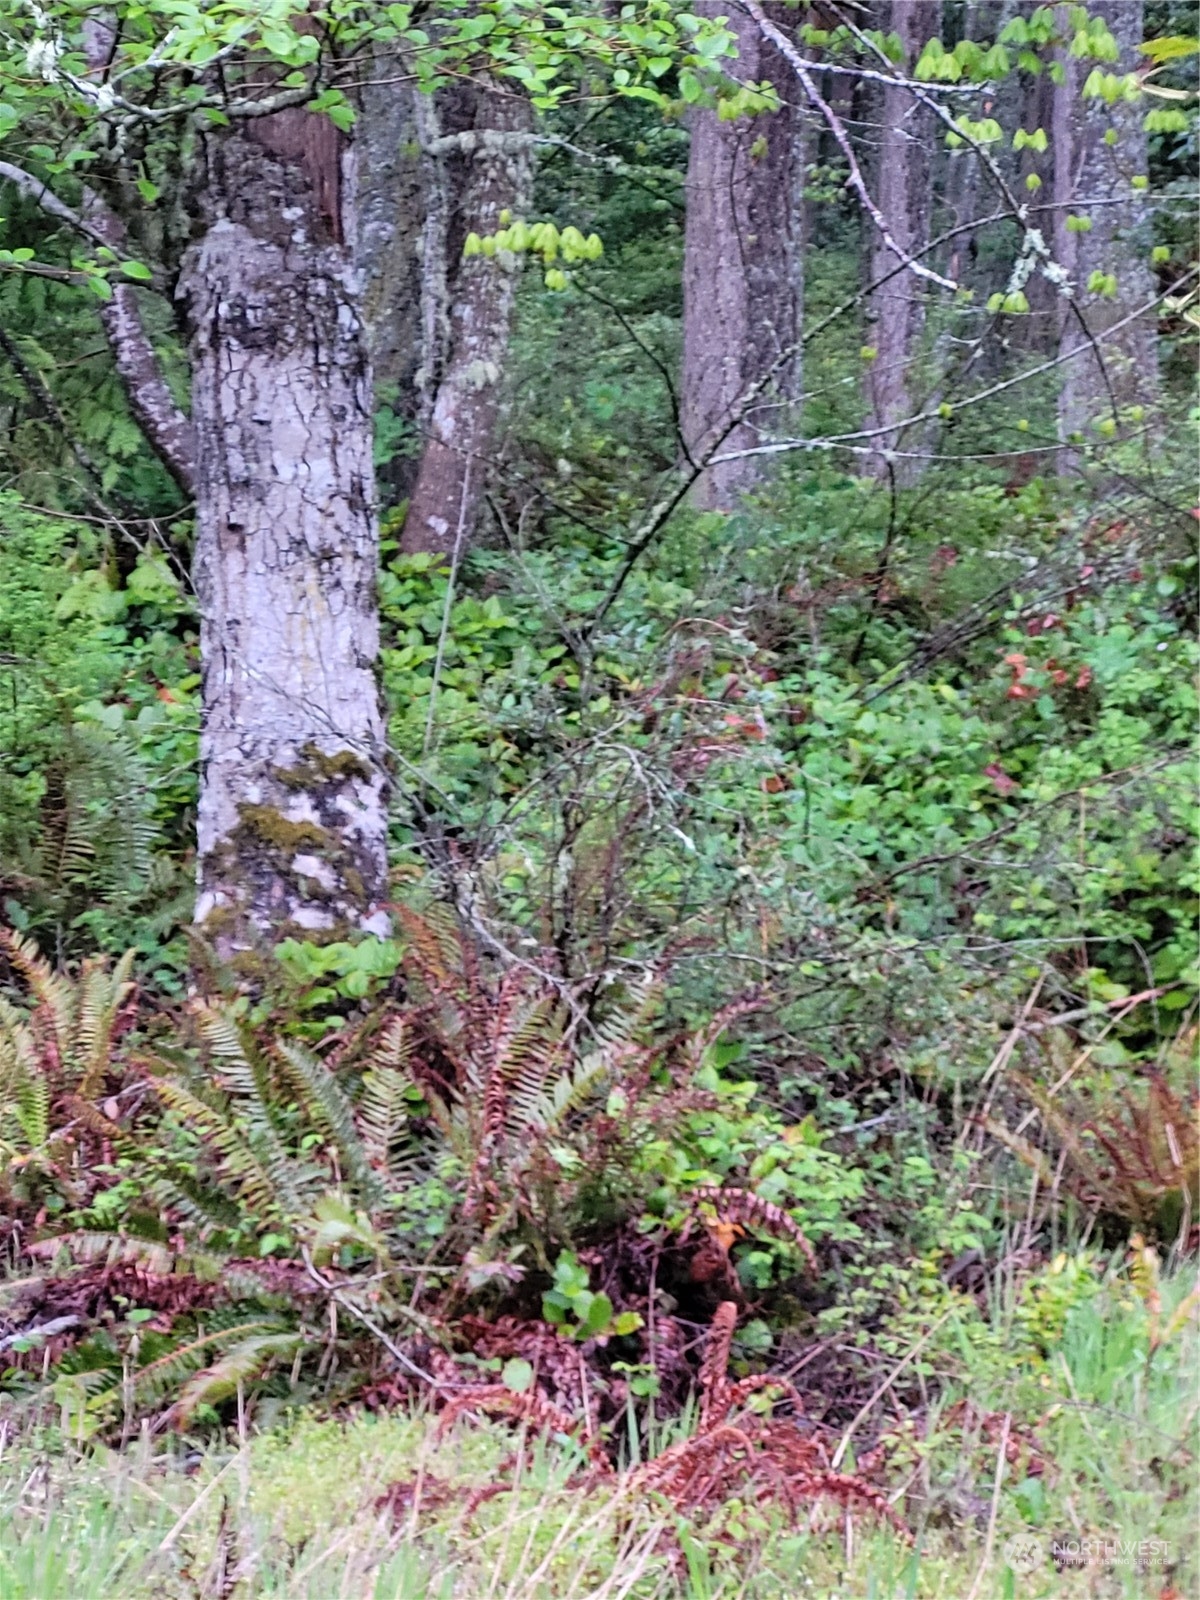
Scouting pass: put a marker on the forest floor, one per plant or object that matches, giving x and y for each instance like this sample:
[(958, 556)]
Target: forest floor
[(1072, 1476)]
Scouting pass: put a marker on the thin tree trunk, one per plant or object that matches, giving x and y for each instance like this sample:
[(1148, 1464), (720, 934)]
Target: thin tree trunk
[(292, 820), (903, 192), (742, 271), (1092, 179), (473, 299), (389, 210)]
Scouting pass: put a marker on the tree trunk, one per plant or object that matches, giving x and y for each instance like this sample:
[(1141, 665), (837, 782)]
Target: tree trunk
[(742, 271), (390, 205), (903, 193), (1092, 180), (473, 301), (292, 821)]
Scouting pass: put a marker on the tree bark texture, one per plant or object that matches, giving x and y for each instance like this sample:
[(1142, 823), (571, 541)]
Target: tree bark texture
[(903, 192), (1092, 179), (468, 315), (742, 271), (292, 819), (390, 209)]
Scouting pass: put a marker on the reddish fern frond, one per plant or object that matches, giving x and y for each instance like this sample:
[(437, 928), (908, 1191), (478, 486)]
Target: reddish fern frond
[(714, 1369), (991, 1426), (698, 1044), (433, 946), (690, 1472), (851, 1491), (740, 1208), (530, 1407), (762, 1383), (1130, 1155)]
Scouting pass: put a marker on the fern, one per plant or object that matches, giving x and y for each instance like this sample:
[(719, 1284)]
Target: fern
[(236, 1366), (237, 1161), (329, 1109)]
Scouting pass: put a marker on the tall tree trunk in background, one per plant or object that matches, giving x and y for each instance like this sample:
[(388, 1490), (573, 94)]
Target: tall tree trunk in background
[(390, 207), (742, 269), (469, 312), (903, 191), (292, 820), (1092, 179)]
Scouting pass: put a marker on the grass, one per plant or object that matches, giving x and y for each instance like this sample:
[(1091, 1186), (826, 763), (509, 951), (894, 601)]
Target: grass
[(291, 1512)]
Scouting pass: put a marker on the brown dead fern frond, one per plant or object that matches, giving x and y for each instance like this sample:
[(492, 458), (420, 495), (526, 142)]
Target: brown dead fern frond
[(530, 1407), (763, 1459), (714, 1369), (1136, 1157), (740, 1208)]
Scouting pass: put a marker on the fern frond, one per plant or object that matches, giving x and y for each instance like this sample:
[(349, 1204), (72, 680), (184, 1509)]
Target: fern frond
[(570, 1093), (526, 1063), (54, 994), (328, 1107), (434, 946), (246, 1073), (238, 1163), (245, 1360), (32, 1111), (382, 1114), (101, 997), (151, 1383)]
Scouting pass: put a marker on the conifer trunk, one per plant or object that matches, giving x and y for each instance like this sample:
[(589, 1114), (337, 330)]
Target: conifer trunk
[(292, 820), (464, 378), (742, 271), (1093, 182), (903, 192)]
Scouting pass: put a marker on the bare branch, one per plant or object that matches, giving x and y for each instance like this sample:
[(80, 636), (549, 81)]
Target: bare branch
[(856, 180), (150, 398), (35, 189), (838, 440)]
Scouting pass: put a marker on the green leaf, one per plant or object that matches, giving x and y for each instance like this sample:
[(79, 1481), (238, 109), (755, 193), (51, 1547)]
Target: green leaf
[(138, 271), (1170, 48), (517, 1376), (598, 1315)]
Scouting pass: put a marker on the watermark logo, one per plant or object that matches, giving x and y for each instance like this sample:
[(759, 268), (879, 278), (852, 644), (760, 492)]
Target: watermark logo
[(1024, 1552)]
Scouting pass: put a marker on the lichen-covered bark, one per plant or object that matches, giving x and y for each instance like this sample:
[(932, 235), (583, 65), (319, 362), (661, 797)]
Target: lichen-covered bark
[(474, 300), (292, 823), (743, 269), (903, 192), (1092, 179)]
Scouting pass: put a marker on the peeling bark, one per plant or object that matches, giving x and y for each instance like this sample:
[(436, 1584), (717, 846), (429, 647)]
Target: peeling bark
[(292, 819), (903, 191), (743, 269), (468, 309), (1092, 179)]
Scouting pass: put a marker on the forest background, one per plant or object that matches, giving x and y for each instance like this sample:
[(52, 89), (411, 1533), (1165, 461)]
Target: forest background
[(597, 798)]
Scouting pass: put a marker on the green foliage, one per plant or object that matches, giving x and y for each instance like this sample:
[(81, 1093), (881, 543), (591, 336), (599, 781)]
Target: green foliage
[(98, 723), (586, 1315), (57, 1065)]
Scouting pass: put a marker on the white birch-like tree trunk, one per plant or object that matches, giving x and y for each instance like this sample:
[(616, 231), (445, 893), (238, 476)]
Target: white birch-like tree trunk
[(292, 820)]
